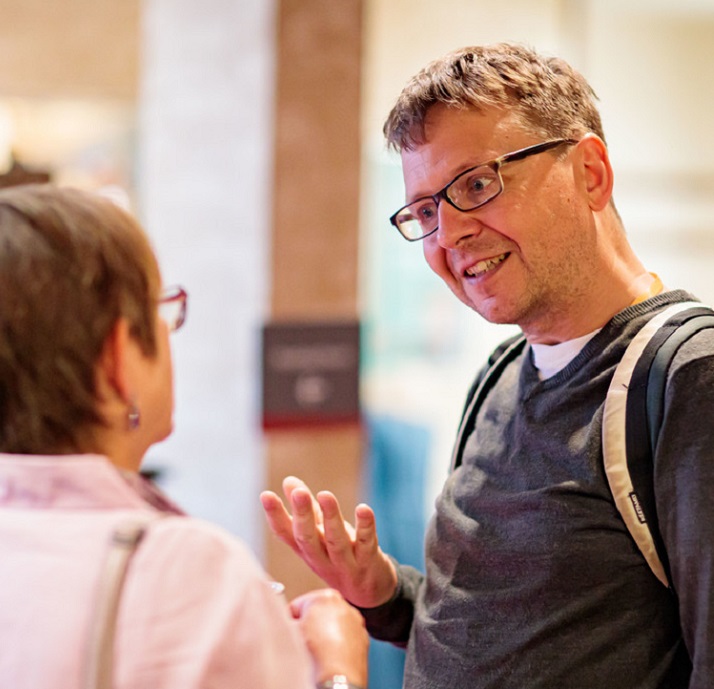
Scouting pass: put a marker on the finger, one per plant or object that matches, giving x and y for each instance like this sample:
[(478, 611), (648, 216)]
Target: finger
[(279, 520), (300, 603), (296, 606), (338, 537), (290, 483), (306, 531), (293, 483), (366, 541)]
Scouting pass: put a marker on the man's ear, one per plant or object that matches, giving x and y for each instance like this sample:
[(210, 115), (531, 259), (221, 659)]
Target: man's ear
[(113, 364), (597, 171)]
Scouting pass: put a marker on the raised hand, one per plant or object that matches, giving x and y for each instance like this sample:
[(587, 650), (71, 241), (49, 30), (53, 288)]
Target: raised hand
[(347, 558)]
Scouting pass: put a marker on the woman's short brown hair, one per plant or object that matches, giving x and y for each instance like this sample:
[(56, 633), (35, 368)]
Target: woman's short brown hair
[(71, 264), (551, 98)]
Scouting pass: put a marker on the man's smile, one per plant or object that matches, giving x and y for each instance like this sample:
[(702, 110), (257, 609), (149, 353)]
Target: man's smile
[(485, 265)]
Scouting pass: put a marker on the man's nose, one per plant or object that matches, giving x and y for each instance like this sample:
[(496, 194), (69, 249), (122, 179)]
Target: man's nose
[(455, 225)]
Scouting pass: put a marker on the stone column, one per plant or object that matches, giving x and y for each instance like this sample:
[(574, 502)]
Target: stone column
[(205, 142)]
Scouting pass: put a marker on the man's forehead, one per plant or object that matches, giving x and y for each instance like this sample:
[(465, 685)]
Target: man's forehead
[(487, 130), (456, 139)]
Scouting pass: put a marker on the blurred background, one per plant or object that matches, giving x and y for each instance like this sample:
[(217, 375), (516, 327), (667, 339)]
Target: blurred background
[(246, 137)]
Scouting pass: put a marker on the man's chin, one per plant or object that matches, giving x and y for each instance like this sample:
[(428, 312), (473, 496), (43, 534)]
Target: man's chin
[(494, 312), (490, 308)]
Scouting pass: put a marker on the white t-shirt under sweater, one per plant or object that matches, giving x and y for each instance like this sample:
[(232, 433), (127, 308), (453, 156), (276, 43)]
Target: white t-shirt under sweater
[(549, 359)]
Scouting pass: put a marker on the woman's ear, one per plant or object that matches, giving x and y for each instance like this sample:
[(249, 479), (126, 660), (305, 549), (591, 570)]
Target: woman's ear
[(113, 365), (597, 171)]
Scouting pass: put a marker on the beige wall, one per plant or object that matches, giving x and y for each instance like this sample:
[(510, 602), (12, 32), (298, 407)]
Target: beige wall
[(70, 48)]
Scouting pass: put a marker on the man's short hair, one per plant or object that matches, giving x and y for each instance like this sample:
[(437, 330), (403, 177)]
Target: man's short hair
[(551, 98), (71, 264)]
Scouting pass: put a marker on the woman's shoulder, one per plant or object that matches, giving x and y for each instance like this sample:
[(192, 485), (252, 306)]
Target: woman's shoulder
[(191, 536)]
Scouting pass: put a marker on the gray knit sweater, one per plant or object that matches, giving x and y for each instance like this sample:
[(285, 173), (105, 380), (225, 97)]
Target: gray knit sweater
[(532, 579)]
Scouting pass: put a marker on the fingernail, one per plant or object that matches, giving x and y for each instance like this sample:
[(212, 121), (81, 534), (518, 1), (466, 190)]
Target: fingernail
[(302, 501)]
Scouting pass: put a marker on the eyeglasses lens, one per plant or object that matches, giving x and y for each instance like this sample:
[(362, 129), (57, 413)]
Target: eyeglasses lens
[(172, 309), (418, 219), (472, 189)]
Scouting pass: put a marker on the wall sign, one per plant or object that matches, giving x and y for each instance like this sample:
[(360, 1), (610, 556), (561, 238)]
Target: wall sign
[(310, 373)]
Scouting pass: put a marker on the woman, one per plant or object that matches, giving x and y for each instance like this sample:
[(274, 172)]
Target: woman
[(85, 389)]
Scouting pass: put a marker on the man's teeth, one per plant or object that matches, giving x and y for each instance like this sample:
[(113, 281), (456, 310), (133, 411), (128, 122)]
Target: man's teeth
[(483, 266)]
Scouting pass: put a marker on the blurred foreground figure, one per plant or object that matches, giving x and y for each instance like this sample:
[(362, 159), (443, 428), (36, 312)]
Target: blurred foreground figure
[(86, 387), (532, 577)]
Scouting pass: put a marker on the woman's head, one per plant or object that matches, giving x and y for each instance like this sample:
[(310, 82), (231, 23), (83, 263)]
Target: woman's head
[(71, 265)]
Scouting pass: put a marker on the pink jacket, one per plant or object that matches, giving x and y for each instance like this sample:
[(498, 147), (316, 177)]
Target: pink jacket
[(197, 610)]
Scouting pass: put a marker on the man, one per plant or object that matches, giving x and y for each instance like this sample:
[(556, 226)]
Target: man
[(532, 579)]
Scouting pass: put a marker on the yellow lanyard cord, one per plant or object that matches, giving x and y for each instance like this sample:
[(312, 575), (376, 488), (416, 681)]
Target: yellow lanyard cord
[(655, 288)]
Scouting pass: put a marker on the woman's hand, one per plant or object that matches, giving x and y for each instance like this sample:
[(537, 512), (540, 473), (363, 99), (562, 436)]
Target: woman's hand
[(334, 634)]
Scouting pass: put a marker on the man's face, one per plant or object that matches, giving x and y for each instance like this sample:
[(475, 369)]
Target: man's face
[(524, 257)]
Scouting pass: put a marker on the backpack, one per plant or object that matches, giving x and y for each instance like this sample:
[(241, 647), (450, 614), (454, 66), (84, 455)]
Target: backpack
[(633, 412)]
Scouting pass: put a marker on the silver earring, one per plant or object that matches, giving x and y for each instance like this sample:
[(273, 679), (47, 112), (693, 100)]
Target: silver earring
[(133, 416)]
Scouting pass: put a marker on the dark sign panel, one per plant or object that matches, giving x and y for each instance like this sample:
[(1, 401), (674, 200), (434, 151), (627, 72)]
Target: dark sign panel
[(310, 373)]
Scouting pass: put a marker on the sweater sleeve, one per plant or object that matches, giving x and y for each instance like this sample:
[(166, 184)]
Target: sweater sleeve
[(392, 620), (684, 485)]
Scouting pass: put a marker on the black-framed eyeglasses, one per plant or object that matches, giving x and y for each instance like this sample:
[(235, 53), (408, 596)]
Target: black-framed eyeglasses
[(468, 191), (172, 307)]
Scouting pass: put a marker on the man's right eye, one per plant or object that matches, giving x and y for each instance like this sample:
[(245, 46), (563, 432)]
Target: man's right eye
[(479, 183), (425, 212)]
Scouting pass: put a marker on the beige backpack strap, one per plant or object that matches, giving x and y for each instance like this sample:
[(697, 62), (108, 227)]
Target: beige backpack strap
[(614, 440), (124, 542)]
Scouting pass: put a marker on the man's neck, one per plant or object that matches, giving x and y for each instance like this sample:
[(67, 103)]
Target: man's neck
[(590, 312)]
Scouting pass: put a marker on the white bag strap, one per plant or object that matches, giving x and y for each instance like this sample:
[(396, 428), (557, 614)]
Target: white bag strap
[(613, 440), (100, 657)]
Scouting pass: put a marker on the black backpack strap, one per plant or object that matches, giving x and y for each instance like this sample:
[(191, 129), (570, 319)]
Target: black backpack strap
[(657, 379), (503, 355), (645, 411)]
